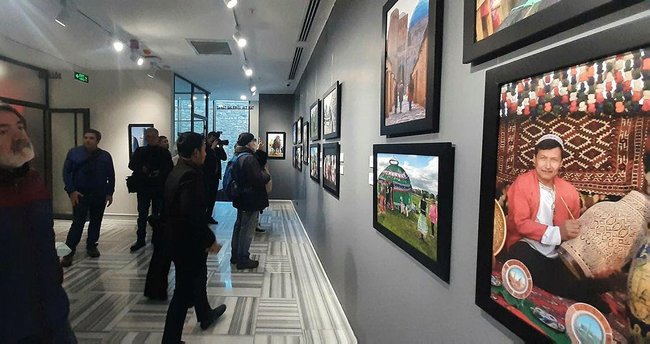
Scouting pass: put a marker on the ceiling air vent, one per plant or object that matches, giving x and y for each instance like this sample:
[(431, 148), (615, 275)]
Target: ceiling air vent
[(309, 19), (296, 61), (209, 47)]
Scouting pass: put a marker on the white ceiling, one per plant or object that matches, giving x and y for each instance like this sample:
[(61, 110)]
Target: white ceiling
[(29, 34)]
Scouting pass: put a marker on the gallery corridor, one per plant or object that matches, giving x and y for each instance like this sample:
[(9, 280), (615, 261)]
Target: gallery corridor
[(287, 299)]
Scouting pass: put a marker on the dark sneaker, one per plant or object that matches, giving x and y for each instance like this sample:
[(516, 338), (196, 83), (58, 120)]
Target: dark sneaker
[(233, 261), (259, 229), (212, 317), (212, 221), (250, 264), (66, 261), (138, 245), (93, 252)]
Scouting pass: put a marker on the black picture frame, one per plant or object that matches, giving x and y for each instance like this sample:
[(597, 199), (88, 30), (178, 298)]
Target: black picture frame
[(305, 143), (276, 152), (332, 184), (444, 152), (293, 157), (559, 17), (331, 104), (430, 123), (298, 160), (314, 162), (314, 120), (294, 132), (134, 139), (299, 131), (583, 50)]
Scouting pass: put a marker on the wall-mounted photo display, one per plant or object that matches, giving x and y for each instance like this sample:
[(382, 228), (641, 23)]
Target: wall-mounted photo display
[(332, 112), (332, 167), (294, 132), (314, 116), (305, 143), (495, 27), (294, 157), (563, 252), (299, 131), (413, 193), (298, 161), (136, 136), (314, 161), (411, 71), (275, 142)]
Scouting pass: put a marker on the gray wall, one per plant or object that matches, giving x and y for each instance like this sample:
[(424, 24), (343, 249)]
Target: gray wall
[(388, 296), (276, 114)]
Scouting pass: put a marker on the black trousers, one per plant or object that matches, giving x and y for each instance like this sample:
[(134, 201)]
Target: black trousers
[(191, 279), (553, 276), (156, 284), (90, 206), (211, 196), (147, 198)]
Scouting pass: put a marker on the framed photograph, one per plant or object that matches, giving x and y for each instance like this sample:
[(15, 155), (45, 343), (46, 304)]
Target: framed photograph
[(294, 133), (332, 112), (136, 136), (564, 190), (412, 198), (275, 143), (411, 69), (294, 157), (495, 27), (299, 131), (314, 161), (298, 160), (314, 117), (331, 168), (305, 143)]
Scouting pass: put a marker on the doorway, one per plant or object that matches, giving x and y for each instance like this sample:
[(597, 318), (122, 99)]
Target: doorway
[(66, 127)]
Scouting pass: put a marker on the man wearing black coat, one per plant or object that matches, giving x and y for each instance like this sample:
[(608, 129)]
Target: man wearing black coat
[(188, 238), (215, 154), (251, 178)]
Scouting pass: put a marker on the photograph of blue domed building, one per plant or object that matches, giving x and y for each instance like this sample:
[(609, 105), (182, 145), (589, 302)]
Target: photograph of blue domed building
[(407, 199), (407, 28)]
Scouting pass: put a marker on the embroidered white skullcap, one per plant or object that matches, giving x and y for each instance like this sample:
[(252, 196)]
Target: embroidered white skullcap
[(551, 137)]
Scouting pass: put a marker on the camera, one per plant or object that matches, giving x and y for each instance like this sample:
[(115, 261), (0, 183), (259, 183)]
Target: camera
[(221, 142)]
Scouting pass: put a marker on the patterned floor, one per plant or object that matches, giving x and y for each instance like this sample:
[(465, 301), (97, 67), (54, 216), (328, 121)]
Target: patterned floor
[(287, 299)]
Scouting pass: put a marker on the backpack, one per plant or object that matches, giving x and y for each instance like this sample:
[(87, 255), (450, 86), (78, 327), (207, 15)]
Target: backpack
[(230, 187)]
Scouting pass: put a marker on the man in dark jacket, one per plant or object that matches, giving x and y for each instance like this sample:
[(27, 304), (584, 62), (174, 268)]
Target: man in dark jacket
[(34, 306), (89, 179), (150, 165), (251, 178), (215, 154), (188, 238)]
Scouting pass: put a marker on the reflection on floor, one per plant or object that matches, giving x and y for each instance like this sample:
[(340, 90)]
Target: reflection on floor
[(287, 299)]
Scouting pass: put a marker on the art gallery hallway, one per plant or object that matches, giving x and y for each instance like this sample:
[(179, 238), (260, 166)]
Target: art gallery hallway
[(287, 299)]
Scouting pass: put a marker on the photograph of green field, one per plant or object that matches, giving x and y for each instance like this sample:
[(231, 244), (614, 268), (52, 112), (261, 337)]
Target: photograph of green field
[(407, 199)]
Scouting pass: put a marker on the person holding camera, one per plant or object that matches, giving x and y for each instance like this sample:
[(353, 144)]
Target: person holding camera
[(215, 153)]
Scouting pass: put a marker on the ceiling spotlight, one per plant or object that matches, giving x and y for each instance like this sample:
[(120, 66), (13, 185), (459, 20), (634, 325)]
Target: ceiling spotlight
[(118, 45), (140, 61), (63, 15), (247, 71), (242, 97), (254, 93), (230, 3), (241, 41), (253, 88)]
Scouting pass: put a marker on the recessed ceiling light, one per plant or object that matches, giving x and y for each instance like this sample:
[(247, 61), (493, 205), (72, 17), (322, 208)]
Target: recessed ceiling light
[(118, 45), (140, 61), (242, 97)]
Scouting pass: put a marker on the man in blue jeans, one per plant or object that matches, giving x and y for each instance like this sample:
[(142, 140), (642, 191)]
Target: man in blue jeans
[(251, 178), (89, 179)]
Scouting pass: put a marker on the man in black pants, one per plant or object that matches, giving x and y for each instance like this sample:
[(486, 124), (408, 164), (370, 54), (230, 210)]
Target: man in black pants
[(150, 165), (89, 179), (189, 238), (215, 154)]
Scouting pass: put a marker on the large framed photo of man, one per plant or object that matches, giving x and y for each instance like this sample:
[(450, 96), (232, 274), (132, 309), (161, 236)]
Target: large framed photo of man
[(413, 192), (136, 136), (275, 142), (332, 112), (412, 56), (564, 208)]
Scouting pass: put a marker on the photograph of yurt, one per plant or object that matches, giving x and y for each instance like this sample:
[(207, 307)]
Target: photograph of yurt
[(407, 193)]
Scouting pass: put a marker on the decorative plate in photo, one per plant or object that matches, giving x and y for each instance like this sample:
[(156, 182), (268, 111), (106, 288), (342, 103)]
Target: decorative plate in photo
[(548, 319), (586, 324), (517, 279)]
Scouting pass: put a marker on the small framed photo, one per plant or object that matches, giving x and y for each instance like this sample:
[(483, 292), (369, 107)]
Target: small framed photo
[(332, 112), (275, 143), (314, 116), (413, 193), (294, 133), (314, 161), (299, 131), (305, 143), (331, 167), (136, 136), (298, 161)]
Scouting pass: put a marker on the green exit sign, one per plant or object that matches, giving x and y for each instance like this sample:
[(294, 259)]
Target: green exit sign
[(81, 77)]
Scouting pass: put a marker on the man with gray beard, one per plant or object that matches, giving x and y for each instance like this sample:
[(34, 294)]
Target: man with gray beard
[(35, 307)]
